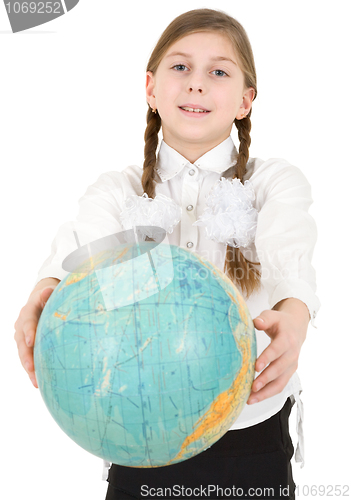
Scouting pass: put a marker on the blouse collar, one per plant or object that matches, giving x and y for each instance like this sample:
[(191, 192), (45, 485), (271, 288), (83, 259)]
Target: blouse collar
[(169, 162)]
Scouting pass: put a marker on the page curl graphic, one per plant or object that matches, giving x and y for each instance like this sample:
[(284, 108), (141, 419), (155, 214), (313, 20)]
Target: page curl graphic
[(24, 15), (127, 266)]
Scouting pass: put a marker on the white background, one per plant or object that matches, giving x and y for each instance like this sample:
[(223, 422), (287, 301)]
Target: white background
[(73, 106)]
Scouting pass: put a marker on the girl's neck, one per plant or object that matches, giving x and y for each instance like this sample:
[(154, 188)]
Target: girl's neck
[(192, 151)]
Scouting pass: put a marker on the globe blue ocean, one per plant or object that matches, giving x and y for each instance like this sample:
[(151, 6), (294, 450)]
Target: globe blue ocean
[(145, 355)]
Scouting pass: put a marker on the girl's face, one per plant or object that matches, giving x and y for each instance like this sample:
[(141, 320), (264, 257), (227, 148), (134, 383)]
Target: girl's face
[(199, 71)]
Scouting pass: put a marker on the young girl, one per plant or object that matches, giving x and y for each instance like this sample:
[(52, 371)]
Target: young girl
[(200, 80)]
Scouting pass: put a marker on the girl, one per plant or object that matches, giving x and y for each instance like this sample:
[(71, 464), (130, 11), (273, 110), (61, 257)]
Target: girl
[(200, 80)]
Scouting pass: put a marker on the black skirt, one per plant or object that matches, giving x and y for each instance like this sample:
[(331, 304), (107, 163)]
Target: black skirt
[(248, 463)]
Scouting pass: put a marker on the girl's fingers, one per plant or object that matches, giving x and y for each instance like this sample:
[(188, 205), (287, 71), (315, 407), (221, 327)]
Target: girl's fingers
[(26, 327), (45, 294), (275, 349), (267, 320), (29, 330), (26, 357), (271, 389), (33, 379), (276, 369), (278, 361), (27, 322)]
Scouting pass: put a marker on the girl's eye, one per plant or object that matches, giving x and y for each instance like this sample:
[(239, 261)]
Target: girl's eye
[(182, 68), (179, 66), (219, 71)]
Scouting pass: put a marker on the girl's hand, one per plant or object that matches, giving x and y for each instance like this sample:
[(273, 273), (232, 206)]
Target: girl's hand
[(26, 327), (287, 326)]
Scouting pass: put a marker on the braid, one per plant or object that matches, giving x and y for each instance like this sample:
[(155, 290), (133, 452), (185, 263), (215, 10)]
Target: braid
[(240, 269), (153, 126), (244, 127)]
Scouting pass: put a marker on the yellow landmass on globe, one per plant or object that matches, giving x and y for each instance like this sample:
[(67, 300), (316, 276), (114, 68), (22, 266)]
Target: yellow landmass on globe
[(221, 414), (61, 316), (92, 262)]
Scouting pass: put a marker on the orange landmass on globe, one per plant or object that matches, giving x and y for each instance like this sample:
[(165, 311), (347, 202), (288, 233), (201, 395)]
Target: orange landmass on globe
[(74, 278), (90, 264), (220, 414), (61, 316), (242, 306)]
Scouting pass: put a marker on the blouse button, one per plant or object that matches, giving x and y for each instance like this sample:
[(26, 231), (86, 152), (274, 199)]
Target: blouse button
[(191, 172), (189, 207), (190, 244)]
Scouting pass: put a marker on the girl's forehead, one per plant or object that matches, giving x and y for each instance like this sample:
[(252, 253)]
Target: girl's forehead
[(204, 42)]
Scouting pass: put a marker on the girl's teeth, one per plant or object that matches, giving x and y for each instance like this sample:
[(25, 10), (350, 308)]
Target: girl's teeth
[(195, 110)]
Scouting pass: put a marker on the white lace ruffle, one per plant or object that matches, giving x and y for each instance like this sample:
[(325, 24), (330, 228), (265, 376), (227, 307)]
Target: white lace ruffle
[(229, 216), (160, 211)]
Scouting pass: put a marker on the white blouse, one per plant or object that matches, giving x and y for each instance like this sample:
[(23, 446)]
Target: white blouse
[(284, 242)]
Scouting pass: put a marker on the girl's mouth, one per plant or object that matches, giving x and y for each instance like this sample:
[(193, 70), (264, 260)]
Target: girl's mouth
[(192, 110)]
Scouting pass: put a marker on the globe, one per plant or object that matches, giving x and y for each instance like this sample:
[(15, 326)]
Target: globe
[(144, 354)]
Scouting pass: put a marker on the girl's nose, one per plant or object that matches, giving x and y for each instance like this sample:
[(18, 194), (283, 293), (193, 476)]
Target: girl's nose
[(196, 83), (199, 89)]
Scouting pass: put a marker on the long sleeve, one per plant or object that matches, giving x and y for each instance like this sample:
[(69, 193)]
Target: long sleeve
[(98, 216), (286, 233)]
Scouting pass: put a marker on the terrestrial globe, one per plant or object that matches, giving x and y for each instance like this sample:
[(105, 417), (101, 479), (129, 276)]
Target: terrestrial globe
[(144, 355)]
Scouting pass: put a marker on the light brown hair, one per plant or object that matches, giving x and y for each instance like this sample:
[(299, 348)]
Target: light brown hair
[(239, 269)]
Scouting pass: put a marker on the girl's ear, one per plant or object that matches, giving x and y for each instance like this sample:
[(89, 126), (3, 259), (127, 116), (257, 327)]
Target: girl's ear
[(245, 107), (150, 85)]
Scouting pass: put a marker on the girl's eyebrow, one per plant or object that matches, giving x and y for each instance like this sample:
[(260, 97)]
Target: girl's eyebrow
[(217, 58)]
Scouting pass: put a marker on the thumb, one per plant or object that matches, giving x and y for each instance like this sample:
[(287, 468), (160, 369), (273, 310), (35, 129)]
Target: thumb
[(45, 293), (266, 319)]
